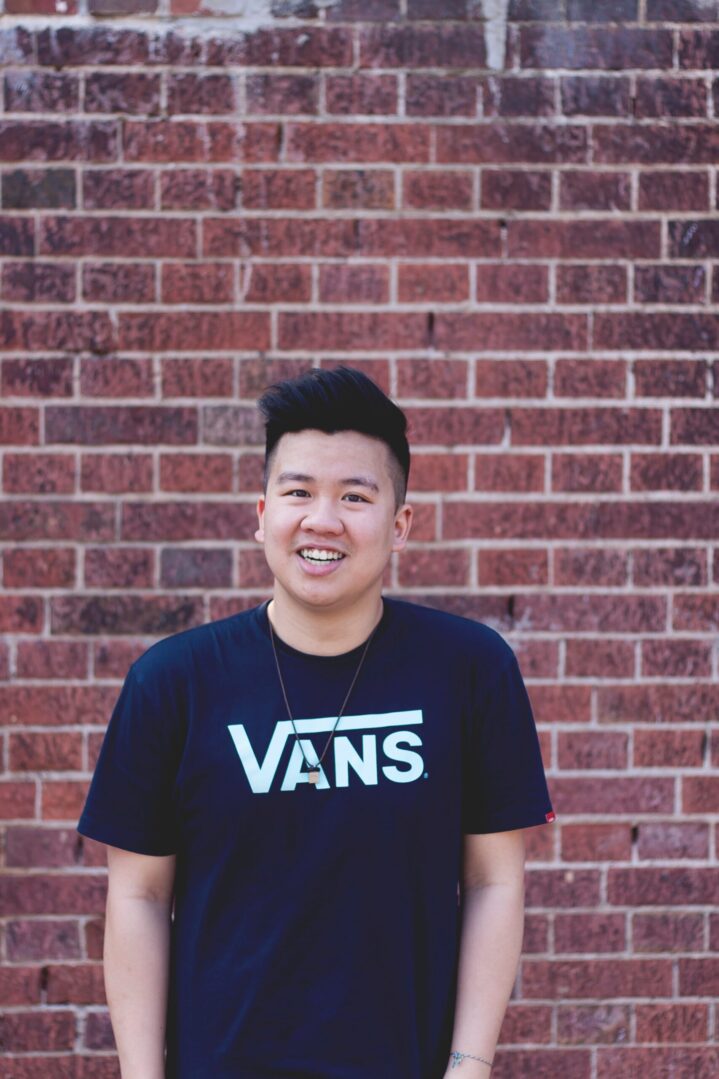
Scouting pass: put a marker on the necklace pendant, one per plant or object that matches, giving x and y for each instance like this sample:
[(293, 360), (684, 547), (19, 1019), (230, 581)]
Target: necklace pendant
[(313, 775)]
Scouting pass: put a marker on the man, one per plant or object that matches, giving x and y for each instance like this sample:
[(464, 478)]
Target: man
[(312, 781)]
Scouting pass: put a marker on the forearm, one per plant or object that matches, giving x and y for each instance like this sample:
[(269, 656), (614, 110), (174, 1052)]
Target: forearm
[(136, 955), (491, 942)]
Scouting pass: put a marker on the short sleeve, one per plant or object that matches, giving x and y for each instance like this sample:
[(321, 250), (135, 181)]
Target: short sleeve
[(504, 785), (130, 800)]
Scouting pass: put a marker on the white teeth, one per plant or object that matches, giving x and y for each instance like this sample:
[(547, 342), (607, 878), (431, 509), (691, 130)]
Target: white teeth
[(313, 554)]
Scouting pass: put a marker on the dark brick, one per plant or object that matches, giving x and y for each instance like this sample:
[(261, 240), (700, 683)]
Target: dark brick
[(432, 95), (595, 95), (118, 189), (203, 94), (694, 239), (582, 190), (44, 282), (512, 96), (615, 49), (670, 97), (40, 91), (449, 45), (25, 189), (132, 92), (669, 284), (505, 189), (607, 11), (699, 48), (673, 190)]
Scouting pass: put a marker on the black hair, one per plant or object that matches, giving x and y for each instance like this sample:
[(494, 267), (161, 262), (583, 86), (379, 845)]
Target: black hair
[(341, 399)]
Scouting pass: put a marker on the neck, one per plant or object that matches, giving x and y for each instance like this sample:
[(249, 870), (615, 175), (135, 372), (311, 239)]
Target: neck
[(323, 632)]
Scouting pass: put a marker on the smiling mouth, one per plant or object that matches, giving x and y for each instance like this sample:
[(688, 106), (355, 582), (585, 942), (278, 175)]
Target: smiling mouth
[(318, 557)]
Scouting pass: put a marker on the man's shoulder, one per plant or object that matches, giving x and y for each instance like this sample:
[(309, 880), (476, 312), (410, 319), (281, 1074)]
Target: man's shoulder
[(445, 631), (178, 654)]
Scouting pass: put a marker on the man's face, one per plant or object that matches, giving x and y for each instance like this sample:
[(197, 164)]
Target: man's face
[(328, 518)]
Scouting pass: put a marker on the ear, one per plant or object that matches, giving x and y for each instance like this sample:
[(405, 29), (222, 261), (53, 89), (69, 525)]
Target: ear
[(260, 531), (402, 526)]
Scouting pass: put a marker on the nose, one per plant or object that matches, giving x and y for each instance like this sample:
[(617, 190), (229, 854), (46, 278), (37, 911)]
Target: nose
[(322, 517)]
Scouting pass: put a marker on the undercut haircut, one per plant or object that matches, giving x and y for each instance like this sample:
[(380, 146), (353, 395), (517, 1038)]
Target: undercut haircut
[(340, 399)]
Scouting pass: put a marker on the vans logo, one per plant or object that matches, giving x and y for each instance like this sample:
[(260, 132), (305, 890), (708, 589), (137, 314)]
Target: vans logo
[(365, 765)]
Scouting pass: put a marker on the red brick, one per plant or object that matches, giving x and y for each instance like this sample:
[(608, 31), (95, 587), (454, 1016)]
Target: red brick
[(591, 284), (617, 48), (510, 378), (592, 749), (367, 331), (253, 570), (669, 284), (362, 284), (180, 520), (598, 657), (518, 96), (118, 189), (504, 472), (673, 886), (41, 91), (596, 842), (39, 567), (609, 978), (595, 95), (371, 189), (36, 848), (511, 283), (337, 143), (675, 566), (585, 190), (432, 378), (666, 840), (431, 282), (75, 984), (526, 1024), (593, 378), (548, 888), (38, 282), (130, 92), (274, 189), (696, 613), (584, 425), (670, 97), (197, 282), (508, 189), (609, 795), (593, 1024), (449, 566), (699, 977), (363, 95), (668, 932), (437, 190), (199, 189), (453, 426), (117, 236), (201, 472), (79, 140), (168, 141), (670, 378), (194, 330), (658, 330), (116, 473), (54, 1031), (589, 933), (438, 472), (20, 614), (17, 799), (628, 1063), (63, 800), (41, 473), (504, 567), (656, 703), (116, 378), (700, 794), (666, 472), (118, 282), (652, 144), (315, 46), (512, 144), (434, 95), (694, 425), (52, 659), (193, 93), (507, 332), (276, 282), (452, 45), (40, 750), (676, 658), (123, 567), (668, 749), (662, 190), (672, 1022), (583, 238)]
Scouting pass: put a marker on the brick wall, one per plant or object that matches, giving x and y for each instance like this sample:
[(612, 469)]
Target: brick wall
[(511, 224)]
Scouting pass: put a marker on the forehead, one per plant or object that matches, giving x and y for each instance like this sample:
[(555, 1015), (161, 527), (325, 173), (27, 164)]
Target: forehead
[(329, 456)]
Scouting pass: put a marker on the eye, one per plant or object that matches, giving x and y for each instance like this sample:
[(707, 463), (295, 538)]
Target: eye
[(356, 498), (297, 491)]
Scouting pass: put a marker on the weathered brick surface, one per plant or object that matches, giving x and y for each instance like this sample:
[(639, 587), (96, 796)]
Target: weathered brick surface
[(521, 245)]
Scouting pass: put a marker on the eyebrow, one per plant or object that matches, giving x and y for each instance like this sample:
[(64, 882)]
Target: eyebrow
[(351, 481)]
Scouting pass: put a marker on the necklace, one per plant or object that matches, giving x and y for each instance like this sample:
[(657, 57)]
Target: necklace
[(313, 770)]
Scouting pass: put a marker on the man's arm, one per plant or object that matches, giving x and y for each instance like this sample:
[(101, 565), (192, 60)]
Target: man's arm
[(136, 955), (491, 942)]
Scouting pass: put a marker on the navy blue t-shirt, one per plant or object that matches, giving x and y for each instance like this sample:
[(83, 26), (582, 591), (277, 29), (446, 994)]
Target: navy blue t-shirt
[(316, 927)]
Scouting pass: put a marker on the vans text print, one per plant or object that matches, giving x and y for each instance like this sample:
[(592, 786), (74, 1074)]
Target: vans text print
[(364, 765)]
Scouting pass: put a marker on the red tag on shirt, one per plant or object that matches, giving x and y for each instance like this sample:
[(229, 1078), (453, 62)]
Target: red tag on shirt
[(549, 817)]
